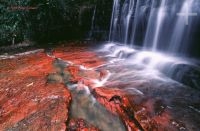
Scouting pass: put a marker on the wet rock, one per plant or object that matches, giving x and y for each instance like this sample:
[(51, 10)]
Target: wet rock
[(66, 77), (54, 78), (80, 125), (91, 74), (117, 102), (27, 101), (186, 74), (159, 107), (180, 126), (78, 56), (86, 107), (74, 71), (147, 115)]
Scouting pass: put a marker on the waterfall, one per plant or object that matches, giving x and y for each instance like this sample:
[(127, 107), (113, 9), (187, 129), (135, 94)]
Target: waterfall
[(155, 25), (156, 35), (181, 29), (114, 20), (92, 23), (163, 28), (128, 19), (135, 22)]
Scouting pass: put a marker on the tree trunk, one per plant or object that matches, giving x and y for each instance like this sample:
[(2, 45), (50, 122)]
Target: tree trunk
[(13, 41)]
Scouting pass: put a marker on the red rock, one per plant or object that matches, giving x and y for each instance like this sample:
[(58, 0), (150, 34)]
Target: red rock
[(27, 102), (134, 115), (151, 120), (80, 125), (80, 55), (117, 102), (74, 71)]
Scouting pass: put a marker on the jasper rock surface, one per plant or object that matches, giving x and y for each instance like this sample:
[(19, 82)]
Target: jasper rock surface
[(27, 101), (80, 125)]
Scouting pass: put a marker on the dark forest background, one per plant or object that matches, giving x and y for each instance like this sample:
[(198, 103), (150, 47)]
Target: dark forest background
[(46, 21)]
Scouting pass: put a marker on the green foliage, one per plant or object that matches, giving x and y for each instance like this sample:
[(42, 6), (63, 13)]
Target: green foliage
[(49, 20), (12, 23)]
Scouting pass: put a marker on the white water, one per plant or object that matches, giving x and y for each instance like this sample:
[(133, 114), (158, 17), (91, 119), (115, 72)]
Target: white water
[(149, 65), (163, 34), (146, 59), (180, 29), (114, 21), (128, 19), (92, 23), (159, 22), (155, 22)]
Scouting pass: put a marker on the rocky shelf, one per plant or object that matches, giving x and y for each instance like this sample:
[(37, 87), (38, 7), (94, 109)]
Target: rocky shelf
[(64, 89)]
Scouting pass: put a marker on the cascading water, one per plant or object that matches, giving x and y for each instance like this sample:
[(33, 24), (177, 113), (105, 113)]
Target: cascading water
[(155, 25), (162, 29), (181, 28), (127, 20), (114, 21), (92, 23)]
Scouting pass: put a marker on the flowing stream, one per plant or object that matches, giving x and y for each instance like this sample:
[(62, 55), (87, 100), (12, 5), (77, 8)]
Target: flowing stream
[(85, 106)]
